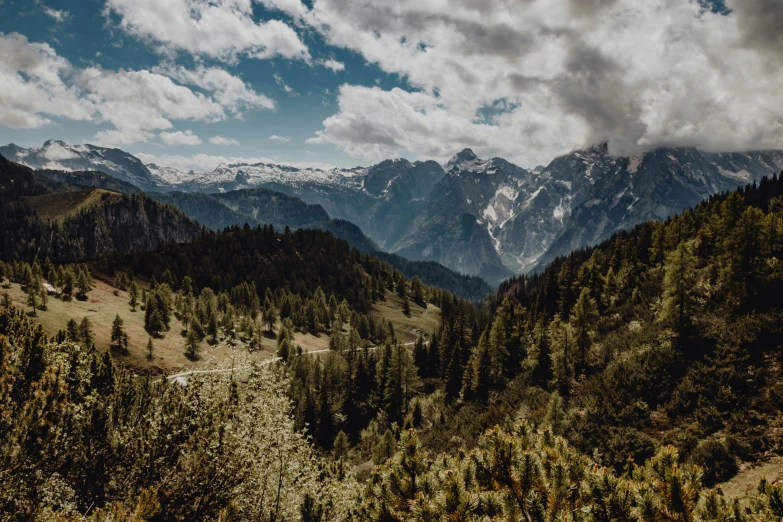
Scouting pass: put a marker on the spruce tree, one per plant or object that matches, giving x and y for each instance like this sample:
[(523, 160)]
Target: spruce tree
[(583, 318), (133, 294), (117, 330), (542, 368), (678, 301), (85, 332), (191, 345), (72, 330), (32, 300)]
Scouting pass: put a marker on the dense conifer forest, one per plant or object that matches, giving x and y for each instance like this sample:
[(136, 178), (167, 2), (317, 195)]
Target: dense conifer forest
[(624, 382)]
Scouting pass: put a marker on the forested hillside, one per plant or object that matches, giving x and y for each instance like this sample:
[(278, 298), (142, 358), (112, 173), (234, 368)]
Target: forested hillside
[(83, 440), (77, 225), (667, 334), (656, 355)]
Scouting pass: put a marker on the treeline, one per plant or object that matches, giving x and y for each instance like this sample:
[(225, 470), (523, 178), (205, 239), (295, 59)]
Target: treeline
[(64, 281), (108, 224), (665, 334), (300, 261)]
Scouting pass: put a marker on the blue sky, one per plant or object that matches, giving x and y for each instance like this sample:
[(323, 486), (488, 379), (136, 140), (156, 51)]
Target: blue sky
[(86, 36), (191, 83)]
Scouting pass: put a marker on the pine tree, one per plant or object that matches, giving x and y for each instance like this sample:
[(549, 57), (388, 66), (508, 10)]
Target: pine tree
[(150, 348), (72, 330), (133, 294), (43, 296), (478, 380), (270, 316), (191, 345), (583, 319), (32, 300), (117, 330), (678, 283), (85, 332), (401, 382), (542, 368), (341, 446), (83, 284), (417, 291), (325, 424)]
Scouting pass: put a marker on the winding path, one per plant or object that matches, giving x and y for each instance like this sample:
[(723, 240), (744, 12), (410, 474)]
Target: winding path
[(182, 378)]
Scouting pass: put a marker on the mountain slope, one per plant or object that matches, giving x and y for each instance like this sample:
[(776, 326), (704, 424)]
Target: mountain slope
[(279, 209), (467, 287), (482, 217), (78, 225), (204, 208), (83, 179), (611, 194), (259, 206), (58, 155)]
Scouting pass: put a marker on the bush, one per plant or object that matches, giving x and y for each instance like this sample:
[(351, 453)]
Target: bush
[(716, 459), (626, 444)]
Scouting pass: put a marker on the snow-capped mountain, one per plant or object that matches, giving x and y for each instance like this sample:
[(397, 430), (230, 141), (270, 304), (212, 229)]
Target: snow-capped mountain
[(227, 177), (493, 218), (485, 217), (58, 155)]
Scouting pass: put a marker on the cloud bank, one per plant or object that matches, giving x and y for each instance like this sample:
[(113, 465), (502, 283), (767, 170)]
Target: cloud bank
[(37, 85), (530, 79)]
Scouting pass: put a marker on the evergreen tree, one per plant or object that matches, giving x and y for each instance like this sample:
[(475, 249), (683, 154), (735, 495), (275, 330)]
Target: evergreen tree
[(400, 383), (678, 301), (150, 349), (43, 298), (83, 284), (542, 366), (583, 318), (133, 295), (191, 345), (270, 314), (85, 332), (117, 331), (32, 301), (72, 330)]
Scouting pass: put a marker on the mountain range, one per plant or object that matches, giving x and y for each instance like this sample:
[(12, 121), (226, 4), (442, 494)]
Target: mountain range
[(484, 217)]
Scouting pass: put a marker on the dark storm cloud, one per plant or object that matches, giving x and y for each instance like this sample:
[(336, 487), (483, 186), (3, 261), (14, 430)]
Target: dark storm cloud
[(592, 87), (761, 25)]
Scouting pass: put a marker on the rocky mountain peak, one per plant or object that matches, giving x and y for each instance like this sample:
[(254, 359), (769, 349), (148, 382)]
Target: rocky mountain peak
[(465, 157)]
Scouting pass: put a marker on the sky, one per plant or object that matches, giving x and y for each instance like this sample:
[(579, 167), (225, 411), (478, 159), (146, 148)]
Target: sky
[(195, 83)]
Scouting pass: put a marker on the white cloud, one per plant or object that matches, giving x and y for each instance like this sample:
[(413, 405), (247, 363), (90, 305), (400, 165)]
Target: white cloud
[(32, 86), (220, 140), (56, 152), (58, 15), (221, 29), (532, 78), (230, 91), (275, 137), (140, 102), (279, 80), (334, 65), (180, 138), (37, 84)]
